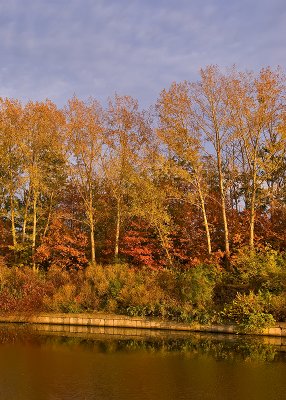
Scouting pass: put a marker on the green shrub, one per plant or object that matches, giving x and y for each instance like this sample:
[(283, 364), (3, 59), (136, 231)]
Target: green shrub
[(251, 270), (250, 311), (260, 270), (197, 286)]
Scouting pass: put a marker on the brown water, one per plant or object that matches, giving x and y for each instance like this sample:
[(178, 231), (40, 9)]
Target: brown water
[(36, 366)]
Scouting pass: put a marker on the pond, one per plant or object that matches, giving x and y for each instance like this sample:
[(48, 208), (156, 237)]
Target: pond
[(38, 365)]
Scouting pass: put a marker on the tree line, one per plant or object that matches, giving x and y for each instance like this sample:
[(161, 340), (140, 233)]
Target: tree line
[(198, 175)]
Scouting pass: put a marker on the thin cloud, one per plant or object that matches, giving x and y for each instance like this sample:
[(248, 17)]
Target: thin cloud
[(94, 48)]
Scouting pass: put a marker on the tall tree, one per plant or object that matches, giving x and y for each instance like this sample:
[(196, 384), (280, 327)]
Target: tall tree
[(182, 137), (11, 114), (42, 154), (210, 112), (85, 127), (127, 132), (257, 109)]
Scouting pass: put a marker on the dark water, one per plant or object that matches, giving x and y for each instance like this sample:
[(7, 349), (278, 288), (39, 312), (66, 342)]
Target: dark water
[(35, 366)]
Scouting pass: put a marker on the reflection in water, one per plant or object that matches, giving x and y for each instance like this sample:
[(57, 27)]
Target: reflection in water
[(55, 366)]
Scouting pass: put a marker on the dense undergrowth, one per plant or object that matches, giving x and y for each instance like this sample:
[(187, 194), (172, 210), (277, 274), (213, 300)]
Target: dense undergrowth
[(250, 292)]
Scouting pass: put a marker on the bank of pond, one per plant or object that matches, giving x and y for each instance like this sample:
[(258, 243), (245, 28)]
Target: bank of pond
[(250, 291)]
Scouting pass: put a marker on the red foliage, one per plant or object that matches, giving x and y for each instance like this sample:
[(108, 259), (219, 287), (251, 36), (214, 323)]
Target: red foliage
[(24, 291), (62, 247), (188, 238), (141, 246)]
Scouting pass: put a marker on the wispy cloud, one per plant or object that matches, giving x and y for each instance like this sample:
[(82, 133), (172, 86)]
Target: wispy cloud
[(96, 47)]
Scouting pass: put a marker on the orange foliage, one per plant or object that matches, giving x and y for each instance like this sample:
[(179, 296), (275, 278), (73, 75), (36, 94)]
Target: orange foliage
[(62, 247)]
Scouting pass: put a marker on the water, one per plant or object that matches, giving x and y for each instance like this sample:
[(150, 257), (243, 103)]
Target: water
[(59, 366)]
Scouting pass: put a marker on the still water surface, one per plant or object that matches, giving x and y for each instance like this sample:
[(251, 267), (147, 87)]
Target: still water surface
[(35, 366)]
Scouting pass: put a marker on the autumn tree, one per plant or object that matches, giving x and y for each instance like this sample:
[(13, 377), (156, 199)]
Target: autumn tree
[(85, 127), (257, 109), (181, 135), (11, 114), (126, 135), (133, 181), (43, 165), (151, 207), (211, 114)]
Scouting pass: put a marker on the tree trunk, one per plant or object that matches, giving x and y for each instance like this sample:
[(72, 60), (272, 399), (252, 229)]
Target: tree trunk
[(91, 224), (252, 207), (222, 196), (26, 216), (49, 216), (165, 247), (206, 224), (118, 216), (13, 227), (34, 233)]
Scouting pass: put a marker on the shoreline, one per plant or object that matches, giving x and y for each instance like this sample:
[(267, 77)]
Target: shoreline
[(101, 320)]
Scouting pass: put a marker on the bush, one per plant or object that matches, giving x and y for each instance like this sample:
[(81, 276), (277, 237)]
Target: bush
[(252, 271), (260, 270), (252, 295), (23, 290), (250, 311), (119, 288), (197, 286), (278, 307), (63, 300)]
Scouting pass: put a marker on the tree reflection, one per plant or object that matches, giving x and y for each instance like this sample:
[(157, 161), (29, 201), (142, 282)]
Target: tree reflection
[(222, 347)]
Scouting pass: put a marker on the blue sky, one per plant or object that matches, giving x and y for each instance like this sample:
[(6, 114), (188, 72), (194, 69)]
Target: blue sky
[(56, 48)]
